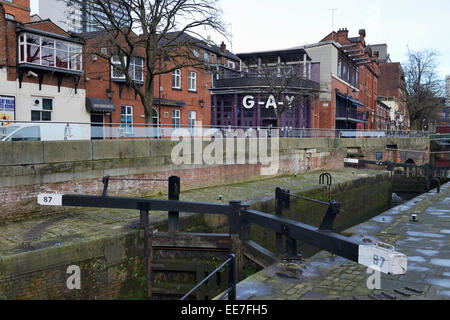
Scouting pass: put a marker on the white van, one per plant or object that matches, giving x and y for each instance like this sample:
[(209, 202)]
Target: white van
[(44, 132)]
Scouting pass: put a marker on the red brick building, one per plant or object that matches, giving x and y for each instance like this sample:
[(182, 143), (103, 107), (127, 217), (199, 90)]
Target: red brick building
[(181, 98), (40, 72), (357, 78), (18, 10), (391, 93)]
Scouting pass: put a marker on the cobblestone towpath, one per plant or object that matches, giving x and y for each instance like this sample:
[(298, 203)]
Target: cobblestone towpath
[(324, 276)]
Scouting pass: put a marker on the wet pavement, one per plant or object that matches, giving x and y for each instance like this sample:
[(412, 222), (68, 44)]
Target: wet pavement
[(325, 276)]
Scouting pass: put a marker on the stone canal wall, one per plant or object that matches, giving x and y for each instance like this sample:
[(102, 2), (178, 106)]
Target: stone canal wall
[(30, 168)]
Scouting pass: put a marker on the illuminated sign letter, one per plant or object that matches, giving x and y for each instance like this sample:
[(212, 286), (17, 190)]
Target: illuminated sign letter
[(271, 102), (249, 102)]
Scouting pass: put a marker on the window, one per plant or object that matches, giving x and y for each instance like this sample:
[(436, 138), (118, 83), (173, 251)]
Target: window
[(357, 77), (27, 134), (49, 52), (206, 57), (116, 72), (136, 69), (176, 115), (126, 120), (176, 79), (340, 68), (192, 81), (231, 65), (192, 118), (196, 54), (9, 16), (41, 109)]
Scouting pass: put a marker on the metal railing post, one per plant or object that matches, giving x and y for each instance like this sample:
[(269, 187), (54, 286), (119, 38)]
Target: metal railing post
[(232, 278), (279, 213), (174, 194), (144, 225)]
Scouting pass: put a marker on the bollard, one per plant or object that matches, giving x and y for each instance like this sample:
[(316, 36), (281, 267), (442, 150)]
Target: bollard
[(105, 186), (332, 211), (174, 194)]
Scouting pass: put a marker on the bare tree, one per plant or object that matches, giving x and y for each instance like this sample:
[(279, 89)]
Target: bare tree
[(283, 80), (423, 89), (162, 32)]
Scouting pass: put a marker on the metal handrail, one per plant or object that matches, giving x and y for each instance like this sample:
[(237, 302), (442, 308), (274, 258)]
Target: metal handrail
[(231, 279)]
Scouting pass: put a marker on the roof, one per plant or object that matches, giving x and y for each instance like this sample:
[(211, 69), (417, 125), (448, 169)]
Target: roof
[(273, 53), (203, 44), (183, 37)]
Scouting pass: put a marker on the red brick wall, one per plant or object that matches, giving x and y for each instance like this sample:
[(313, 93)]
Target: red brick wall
[(3, 39), (20, 9), (99, 75)]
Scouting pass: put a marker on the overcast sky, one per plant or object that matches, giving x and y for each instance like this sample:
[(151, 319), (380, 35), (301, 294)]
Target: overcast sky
[(276, 24)]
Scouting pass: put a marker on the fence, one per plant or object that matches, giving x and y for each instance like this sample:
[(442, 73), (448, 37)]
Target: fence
[(55, 131)]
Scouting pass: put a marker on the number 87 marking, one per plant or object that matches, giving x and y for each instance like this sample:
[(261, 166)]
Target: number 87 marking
[(376, 260)]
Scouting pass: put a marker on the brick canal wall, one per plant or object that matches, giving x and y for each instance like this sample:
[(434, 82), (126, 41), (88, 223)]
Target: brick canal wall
[(30, 168)]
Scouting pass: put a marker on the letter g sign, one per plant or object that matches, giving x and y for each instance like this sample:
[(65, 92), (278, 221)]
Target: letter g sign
[(248, 102)]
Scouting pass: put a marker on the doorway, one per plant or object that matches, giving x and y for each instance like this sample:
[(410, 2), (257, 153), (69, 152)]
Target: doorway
[(97, 122)]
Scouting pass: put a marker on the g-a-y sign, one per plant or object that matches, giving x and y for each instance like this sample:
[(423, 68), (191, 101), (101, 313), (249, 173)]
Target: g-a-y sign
[(249, 102)]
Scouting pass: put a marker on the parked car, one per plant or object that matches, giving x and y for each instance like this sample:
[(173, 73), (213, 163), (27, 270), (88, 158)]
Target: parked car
[(44, 132)]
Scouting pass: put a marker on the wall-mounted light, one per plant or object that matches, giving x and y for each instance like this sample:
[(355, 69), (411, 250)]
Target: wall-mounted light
[(110, 93), (202, 103)]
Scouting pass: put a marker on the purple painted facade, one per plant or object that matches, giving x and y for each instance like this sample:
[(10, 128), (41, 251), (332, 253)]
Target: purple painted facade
[(228, 107)]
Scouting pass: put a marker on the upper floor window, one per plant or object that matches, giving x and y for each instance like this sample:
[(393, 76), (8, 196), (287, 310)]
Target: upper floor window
[(49, 52), (192, 81), (9, 16), (231, 65), (340, 68), (176, 79), (196, 54), (136, 69), (206, 57)]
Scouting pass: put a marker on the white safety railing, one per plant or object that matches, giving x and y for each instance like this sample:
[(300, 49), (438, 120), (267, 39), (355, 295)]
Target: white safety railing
[(54, 131)]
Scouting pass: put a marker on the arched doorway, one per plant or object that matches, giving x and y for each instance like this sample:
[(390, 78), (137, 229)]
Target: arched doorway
[(155, 117)]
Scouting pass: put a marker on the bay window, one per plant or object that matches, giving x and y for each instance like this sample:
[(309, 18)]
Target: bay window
[(48, 52)]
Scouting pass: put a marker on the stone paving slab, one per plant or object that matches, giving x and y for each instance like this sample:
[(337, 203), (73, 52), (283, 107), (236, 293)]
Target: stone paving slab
[(80, 224), (325, 276)]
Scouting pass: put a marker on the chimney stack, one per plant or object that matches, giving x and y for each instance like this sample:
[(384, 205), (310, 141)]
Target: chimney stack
[(362, 33), (342, 34), (223, 48)]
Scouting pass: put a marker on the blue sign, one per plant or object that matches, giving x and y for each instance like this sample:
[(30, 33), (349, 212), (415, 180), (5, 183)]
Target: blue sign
[(7, 108)]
